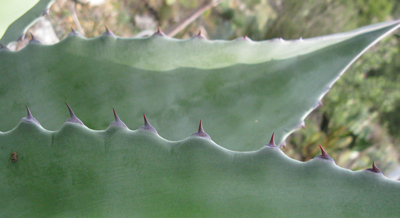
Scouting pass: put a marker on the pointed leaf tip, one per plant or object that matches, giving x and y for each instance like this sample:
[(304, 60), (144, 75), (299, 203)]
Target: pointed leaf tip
[(374, 168), (117, 122), (147, 126), (29, 117), (73, 118), (200, 132)]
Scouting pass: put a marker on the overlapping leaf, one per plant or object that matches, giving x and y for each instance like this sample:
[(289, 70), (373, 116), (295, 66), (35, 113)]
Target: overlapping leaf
[(243, 90), (17, 16), (78, 172)]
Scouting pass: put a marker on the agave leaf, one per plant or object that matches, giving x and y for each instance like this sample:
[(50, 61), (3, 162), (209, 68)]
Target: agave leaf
[(78, 172), (17, 16), (243, 90)]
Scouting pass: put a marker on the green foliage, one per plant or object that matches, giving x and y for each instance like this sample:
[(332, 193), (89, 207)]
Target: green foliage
[(242, 92), (76, 171), (11, 10), (16, 28)]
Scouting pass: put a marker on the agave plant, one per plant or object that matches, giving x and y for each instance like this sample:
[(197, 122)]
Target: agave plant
[(244, 91)]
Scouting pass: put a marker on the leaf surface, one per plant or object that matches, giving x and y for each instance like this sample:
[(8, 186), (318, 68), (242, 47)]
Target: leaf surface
[(243, 90), (78, 172)]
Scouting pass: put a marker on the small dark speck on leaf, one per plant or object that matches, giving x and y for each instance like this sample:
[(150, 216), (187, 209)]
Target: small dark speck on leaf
[(14, 156)]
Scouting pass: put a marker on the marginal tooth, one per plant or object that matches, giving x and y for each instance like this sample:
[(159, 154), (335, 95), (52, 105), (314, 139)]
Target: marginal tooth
[(301, 125), (21, 38), (374, 168), (33, 39), (29, 118), (74, 33), (46, 12), (159, 32), (271, 143), (147, 126), (73, 118), (117, 122), (200, 35), (283, 145), (201, 132), (3, 47), (318, 104), (108, 32), (324, 155)]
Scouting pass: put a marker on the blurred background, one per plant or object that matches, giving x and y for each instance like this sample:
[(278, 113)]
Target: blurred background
[(360, 120)]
